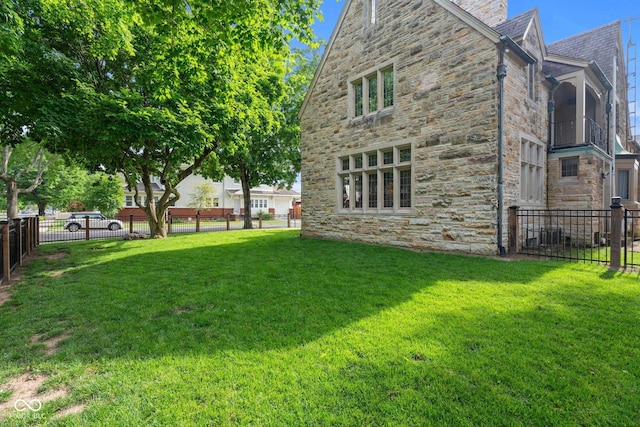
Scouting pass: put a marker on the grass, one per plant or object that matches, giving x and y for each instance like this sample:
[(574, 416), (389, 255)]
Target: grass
[(265, 328)]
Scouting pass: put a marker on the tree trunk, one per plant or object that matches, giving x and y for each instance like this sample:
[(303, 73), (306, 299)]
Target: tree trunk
[(246, 194), (157, 226), (12, 199), (42, 208)]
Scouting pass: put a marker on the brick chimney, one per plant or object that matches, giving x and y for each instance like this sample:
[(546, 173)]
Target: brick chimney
[(491, 12)]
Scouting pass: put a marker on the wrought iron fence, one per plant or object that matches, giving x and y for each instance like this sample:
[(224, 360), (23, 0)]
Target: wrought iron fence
[(54, 230), (17, 239), (575, 235), (578, 235), (631, 241)]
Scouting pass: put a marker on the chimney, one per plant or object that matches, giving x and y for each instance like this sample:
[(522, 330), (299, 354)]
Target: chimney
[(491, 12)]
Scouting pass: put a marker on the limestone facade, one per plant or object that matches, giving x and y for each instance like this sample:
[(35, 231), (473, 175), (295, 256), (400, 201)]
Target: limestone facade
[(440, 127)]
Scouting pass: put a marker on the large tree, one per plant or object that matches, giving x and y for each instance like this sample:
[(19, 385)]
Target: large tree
[(21, 170), (266, 147), (155, 92)]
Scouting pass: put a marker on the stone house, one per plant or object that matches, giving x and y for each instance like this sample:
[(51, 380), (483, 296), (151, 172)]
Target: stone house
[(427, 119)]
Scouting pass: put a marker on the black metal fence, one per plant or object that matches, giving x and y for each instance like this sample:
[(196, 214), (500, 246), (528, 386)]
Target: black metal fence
[(18, 238), (54, 230), (607, 236), (631, 242)]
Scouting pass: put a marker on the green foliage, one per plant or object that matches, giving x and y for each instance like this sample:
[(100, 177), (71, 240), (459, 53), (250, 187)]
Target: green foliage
[(104, 193), (150, 88), (202, 196), (265, 215), (293, 331)]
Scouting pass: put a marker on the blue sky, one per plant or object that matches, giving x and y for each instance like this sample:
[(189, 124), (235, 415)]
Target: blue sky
[(559, 18)]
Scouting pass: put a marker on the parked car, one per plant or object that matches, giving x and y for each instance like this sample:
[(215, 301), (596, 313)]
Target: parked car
[(77, 220)]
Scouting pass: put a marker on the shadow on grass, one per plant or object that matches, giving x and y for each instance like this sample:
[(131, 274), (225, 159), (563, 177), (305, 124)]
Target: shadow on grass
[(259, 290)]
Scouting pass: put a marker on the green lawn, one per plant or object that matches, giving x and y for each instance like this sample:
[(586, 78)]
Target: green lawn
[(262, 327)]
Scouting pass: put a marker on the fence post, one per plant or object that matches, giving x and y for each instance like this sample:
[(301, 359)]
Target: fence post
[(514, 232), (169, 219), (228, 222), (288, 220), (130, 223), (87, 232), (17, 223), (27, 223), (259, 219), (37, 232), (197, 221), (34, 233), (616, 233), (6, 250)]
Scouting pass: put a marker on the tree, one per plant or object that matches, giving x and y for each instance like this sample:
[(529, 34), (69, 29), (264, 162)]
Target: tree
[(27, 160), (267, 148), (154, 82), (32, 75), (62, 184), (104, 193), (202, 196)]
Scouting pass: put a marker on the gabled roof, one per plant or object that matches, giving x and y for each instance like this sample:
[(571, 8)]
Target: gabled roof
[(517, 26), (598, 45), (154, 187)]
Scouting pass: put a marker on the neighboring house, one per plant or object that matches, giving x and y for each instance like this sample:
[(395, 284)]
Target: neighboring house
[(226, 199), (427, 119)]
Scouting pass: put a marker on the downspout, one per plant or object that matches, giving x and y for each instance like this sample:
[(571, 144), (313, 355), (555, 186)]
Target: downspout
[(614, 189), (609, 122), (551, 108), (501, 74)]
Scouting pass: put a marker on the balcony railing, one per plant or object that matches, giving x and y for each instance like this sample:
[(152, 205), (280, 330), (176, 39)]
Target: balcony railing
[(565, 134)]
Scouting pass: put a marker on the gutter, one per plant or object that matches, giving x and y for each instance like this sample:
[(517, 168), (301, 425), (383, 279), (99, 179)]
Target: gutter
[(593, 65)]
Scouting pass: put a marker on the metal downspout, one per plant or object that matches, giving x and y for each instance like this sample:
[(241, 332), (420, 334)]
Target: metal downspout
[(551, 108), (608, 109), (501, 73)]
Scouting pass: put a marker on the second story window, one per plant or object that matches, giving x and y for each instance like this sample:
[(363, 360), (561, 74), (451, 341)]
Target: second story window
[(531, 81), (370, 12), (372, 92)]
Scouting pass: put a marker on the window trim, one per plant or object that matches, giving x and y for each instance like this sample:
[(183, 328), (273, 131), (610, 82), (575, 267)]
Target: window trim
[(362, 80), (531, 81), (539, 174), (258, 202), (357, 200), (370, 13), (569, 177), (627, 183)]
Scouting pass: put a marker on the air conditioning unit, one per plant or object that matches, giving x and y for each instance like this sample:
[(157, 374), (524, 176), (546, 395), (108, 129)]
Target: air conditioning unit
[(550, 236)]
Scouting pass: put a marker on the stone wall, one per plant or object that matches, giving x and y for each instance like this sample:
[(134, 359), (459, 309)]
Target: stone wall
[(491, 12), (524, 118), (445, 107), (586, 191)]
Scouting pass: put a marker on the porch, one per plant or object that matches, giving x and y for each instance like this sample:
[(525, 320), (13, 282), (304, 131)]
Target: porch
[(565, 134)]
